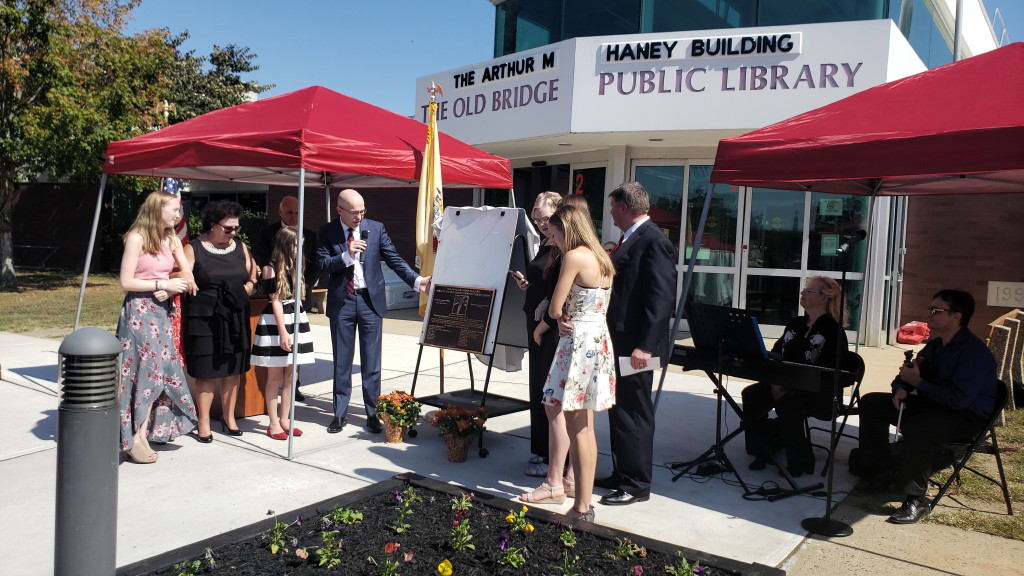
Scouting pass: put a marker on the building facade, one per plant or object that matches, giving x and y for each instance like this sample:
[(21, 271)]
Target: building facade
[(584, 95)]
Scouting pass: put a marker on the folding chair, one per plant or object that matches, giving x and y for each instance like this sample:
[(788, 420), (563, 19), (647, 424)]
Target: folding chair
[(853, 365), (984, 443)]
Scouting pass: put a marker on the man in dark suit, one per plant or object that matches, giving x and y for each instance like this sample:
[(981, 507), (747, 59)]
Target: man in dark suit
[(642, 302), (351, 251), (288, 212)]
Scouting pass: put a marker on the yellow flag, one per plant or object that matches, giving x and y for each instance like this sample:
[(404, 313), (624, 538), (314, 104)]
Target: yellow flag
[(430, 203)]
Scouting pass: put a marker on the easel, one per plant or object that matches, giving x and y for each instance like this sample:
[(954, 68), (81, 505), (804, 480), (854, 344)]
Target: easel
[(499, 241)]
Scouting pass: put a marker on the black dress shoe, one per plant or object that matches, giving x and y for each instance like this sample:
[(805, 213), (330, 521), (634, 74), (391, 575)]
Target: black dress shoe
[(621, 498), (608, 482), (299, 396), (336, 425), (913, 509), (374, 425), (229, 431), (759, 463)]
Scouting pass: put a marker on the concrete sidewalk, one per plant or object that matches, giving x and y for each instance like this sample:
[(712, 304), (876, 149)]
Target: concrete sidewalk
[(197, 491)]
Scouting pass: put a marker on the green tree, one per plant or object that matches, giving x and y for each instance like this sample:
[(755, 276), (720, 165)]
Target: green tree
[(71, 82), (201, 84)]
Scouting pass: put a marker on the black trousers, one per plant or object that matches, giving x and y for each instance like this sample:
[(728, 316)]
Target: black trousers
[(541, 356), (925, 427), (792, 408), (631, 431)]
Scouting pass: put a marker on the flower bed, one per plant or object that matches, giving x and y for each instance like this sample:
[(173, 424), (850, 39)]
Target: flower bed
[(415, 526)]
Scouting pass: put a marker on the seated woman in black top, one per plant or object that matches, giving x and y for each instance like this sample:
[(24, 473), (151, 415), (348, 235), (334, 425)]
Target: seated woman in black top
[(808, 339)]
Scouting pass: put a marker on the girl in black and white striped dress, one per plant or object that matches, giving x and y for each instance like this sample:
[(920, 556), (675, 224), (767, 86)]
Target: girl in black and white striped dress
[(273, 347)]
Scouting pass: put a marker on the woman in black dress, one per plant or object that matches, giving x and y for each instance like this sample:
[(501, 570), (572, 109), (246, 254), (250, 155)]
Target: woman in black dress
[(538, 288), (217, 345), (808, 339)]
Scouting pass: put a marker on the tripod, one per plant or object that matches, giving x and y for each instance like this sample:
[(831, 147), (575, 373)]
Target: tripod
[(716, 453)]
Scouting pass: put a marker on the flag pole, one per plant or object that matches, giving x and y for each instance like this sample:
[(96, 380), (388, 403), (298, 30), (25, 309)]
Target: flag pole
[(430, 205)]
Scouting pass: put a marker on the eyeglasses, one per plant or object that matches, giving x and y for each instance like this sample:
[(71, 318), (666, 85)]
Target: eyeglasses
[(353, 212), (809, 291), (229, 229), (933, 310), (541, 221)]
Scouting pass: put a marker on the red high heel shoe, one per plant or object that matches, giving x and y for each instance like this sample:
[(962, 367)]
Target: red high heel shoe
[(278, 436)]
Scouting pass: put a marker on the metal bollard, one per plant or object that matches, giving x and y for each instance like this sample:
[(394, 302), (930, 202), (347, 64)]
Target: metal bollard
[(87, 453)]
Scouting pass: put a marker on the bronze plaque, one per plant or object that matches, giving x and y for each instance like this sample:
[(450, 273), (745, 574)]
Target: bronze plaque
[(459, 317)]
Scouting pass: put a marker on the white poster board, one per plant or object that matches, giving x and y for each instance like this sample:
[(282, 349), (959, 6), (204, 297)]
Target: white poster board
[(477, 248)]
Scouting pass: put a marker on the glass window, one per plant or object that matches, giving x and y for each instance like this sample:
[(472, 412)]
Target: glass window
[(524, 24), (589, 183), (590, 18), (717, 246), (834, 218), (785, 12), (664, 186), (918, 25), (776, 228), (672, 15), (773, 299), (711, 288)]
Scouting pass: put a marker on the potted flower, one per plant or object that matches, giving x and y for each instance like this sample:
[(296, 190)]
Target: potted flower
[(459, 427), (397, 411)]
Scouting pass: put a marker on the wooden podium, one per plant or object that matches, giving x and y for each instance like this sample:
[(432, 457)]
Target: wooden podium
[(251, 400)]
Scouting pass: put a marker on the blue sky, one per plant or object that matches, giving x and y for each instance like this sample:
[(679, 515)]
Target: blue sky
[(370, 50)]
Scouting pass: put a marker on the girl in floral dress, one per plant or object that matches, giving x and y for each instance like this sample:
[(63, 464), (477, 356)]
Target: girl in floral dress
[(581, 379), (155, 403)]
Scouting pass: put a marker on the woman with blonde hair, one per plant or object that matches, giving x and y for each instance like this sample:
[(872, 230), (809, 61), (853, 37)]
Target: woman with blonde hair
[(155, 403), (275, 337), (808, 339), (581, 379)]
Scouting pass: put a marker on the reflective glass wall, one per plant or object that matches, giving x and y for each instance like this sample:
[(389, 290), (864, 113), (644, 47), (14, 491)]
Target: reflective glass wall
[(524, 24)]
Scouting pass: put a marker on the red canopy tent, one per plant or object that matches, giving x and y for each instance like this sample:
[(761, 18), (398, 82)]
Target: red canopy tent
[(956, 129), (317, 130)]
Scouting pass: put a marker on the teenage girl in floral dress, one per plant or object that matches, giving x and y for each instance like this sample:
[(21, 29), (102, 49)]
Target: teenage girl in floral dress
[(155, 403), (582, 376)]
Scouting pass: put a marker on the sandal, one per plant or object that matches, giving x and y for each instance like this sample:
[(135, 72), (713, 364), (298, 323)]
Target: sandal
[(551, 498), (535, 459), (141, 454), (537, 471), (570, 487), (575, 515)]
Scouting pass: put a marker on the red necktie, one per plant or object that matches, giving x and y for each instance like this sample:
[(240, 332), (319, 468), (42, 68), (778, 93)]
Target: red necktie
[(351, 288), (619, 243)]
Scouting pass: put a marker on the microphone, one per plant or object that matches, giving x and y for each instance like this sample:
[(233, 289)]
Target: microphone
[(845, 246), (363, 236)]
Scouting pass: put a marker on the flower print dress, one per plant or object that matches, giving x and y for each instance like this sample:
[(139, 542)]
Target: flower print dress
[(151, 370), (582, 375)]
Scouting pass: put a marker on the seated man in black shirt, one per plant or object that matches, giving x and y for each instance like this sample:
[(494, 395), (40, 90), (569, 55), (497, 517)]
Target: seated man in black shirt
[(948, 394)]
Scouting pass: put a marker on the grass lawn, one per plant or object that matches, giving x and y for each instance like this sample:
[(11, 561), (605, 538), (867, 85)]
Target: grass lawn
[(46, 303), (983, 509)]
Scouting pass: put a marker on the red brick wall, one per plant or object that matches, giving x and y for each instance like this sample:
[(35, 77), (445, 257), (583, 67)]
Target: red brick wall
[(962, 242)]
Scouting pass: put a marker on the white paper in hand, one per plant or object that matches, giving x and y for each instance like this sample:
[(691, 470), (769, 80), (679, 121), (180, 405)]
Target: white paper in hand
[(625, 369)]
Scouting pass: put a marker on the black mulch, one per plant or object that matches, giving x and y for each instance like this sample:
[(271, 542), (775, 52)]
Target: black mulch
[(246, 551)]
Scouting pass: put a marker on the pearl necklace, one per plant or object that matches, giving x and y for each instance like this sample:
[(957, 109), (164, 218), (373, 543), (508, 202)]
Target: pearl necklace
[(211, 248)]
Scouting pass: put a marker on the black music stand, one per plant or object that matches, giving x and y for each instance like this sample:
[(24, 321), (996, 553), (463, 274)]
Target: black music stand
[(733, 335), (827, 525), (730, 333)]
